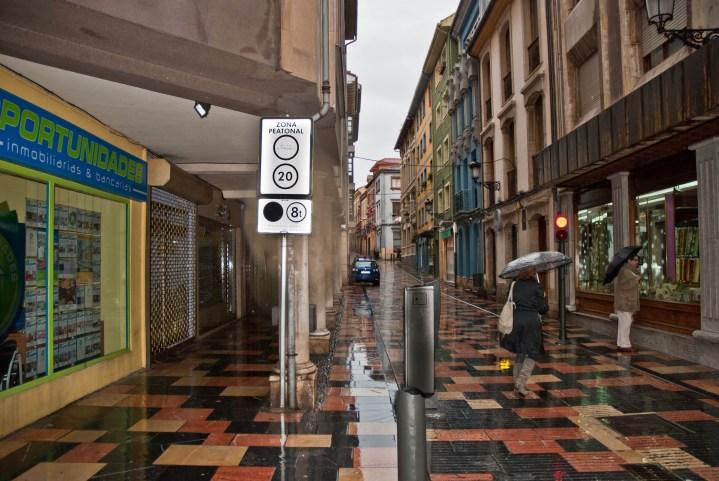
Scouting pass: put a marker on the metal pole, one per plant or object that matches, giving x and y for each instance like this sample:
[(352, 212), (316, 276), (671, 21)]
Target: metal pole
[(411, 436), (562, 301), (291, 333), (283, 319)]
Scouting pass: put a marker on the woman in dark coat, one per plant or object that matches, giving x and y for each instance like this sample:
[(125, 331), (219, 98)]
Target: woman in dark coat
[(526, 337)]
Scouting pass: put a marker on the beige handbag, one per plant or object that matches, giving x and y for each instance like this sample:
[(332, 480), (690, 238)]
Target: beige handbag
[(506, 317)]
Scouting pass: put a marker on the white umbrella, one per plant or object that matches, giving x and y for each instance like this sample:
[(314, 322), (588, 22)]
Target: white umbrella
[(541, 261)]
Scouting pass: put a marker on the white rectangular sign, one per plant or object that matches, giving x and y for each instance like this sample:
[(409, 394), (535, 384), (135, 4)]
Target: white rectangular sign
[(286, 156), (289, 216)]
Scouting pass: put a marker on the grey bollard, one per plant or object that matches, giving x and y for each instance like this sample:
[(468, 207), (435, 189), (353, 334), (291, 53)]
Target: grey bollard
[(411, 436), (419, 338)]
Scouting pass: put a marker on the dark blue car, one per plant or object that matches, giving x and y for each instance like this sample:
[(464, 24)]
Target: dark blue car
[(365, 270)]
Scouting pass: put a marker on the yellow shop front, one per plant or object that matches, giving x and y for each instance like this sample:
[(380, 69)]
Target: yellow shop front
[(72, 253)]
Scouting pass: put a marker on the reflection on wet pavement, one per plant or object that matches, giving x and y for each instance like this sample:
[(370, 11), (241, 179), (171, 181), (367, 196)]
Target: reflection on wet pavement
[(201, 414)]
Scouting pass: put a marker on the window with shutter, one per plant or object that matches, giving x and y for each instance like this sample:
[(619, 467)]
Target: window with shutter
[(588, 85)]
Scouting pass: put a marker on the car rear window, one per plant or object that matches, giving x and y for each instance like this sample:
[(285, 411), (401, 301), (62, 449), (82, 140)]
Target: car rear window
[(364, 264)]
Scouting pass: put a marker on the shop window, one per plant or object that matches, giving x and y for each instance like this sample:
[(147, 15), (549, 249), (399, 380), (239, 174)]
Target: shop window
[(23, 280), (596, 247), (90, 281), (668, 229)]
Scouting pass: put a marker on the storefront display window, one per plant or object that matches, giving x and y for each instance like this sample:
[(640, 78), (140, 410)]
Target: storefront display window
[(668, 229), (23, 280), (596, 247), (90, 308)]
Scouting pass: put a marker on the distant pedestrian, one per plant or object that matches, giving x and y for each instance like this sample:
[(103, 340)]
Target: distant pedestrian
[(526, 340), (626, 301)]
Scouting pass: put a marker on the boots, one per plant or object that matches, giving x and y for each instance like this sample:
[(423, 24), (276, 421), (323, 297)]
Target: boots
[(524, 372), (516, 367)]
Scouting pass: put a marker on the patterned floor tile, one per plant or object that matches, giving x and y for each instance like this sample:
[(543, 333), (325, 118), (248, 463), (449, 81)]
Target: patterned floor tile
[(246, 391), (87, 453), (244, 473), (365, 428), (183, 455), (61, 472), (156, 426)]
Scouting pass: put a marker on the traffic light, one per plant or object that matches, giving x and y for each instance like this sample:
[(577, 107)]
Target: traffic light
[(561, 227)]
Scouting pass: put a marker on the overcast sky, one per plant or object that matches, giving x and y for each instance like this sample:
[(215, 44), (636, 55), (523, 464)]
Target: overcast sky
[(392, 41)]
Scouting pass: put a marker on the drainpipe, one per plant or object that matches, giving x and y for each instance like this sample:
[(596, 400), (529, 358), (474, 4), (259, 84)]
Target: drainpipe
[(548, 7), (325, 62)]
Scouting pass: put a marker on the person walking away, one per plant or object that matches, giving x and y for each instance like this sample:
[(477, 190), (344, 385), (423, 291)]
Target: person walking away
[(626, 301), (526, 340)]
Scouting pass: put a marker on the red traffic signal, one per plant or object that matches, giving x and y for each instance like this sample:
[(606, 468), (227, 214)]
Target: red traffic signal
[(561, 227)]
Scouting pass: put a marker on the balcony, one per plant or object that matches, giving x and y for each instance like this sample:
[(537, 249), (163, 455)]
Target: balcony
[(533, 55), (507, 86), (463, 201)]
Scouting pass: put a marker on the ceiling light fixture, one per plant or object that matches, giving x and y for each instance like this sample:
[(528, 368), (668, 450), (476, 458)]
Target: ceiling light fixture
[(202, 109)]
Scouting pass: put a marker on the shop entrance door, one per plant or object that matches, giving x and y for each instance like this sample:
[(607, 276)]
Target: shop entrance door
[(173, 280)]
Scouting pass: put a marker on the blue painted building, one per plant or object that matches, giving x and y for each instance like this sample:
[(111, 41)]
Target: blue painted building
[(464, 107)]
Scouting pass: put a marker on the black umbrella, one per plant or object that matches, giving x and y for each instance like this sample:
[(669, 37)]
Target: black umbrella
[(541, 261), (622, 256)]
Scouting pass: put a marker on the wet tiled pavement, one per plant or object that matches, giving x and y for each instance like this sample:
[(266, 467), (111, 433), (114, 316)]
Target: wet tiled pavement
[(201, 414)]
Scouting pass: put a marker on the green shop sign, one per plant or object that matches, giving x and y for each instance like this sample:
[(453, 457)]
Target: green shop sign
[(35, 138)]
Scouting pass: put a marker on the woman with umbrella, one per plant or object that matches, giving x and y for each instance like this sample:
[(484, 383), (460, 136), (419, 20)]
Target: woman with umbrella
[(530, 301), (623, 266)]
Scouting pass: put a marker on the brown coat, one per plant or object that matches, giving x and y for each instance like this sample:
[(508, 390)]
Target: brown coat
[(626, 290)]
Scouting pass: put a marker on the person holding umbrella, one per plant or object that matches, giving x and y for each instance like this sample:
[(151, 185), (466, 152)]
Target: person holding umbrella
[(530, 301), (526, 339), (626, 293)]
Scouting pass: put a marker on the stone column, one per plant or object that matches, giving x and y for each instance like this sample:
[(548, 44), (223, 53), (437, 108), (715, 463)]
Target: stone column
[(298, 299), (620, 209), (320, 337), (707, 158)]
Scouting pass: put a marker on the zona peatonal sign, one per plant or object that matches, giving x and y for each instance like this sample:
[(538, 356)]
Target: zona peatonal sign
[(35, 138), (286, 157)]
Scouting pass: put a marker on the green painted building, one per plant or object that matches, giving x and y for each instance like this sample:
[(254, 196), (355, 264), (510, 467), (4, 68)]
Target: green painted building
[(441, 57)]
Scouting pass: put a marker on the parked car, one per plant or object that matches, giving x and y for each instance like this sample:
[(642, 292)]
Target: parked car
[(365, 270)]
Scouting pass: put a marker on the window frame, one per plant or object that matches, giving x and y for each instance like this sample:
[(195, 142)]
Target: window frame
[(51, 183)]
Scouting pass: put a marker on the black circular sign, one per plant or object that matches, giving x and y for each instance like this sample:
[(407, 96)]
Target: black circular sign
[(273, 211)]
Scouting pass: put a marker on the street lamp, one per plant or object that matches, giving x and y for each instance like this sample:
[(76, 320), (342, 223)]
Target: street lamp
[(659, 12), (476, 169)]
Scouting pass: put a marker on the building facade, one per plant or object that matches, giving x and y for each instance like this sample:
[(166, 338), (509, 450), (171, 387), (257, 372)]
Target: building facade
[(464, 111), (508, 43), (441, 57), (415, 146), (97, 221), (635, 162), (386, 186)]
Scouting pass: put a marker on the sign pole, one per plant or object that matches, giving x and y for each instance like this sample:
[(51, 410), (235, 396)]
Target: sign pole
[(283, 319), (562, 300)]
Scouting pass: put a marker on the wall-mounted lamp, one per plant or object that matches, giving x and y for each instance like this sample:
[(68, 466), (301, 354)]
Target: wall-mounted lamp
[(659, 12), (476, 169), (223, 212), (202, 109)]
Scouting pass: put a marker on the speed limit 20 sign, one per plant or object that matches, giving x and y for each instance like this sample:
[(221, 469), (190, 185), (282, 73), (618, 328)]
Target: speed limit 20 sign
[(286, 157)]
